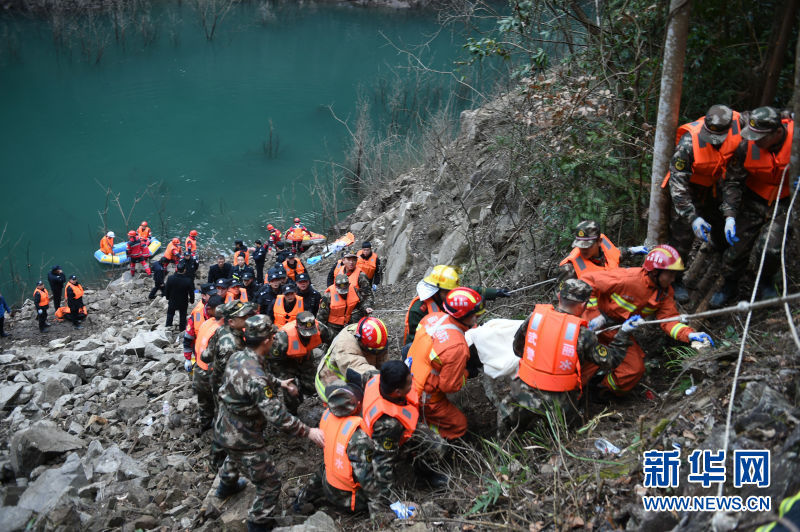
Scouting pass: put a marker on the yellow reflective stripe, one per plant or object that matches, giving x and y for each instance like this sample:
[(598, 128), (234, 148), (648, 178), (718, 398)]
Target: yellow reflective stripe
[(676, 329), (766, 528), (646, 311), (787, 504), (592, 302), (622, 303), (611, 383)]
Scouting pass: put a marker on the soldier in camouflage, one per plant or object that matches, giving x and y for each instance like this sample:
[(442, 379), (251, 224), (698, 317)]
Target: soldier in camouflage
[(348, 266), (227, 339), (342, 285), (248, 399), (201, 378), (521, 407)]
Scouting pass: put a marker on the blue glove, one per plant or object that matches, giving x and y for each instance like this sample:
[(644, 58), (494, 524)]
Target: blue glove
[(631, 323), (187, 365), (796, 183), (597, 323), (639, 250), (702, 228), (374, 288), (401, 510), (700, 337), (39, 311), (730, 230)]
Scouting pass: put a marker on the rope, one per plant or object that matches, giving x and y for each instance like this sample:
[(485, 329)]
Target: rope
[(792, 328), (533, 285)]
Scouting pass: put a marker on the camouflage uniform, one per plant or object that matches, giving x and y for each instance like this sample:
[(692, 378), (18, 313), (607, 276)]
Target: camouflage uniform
[(201, 384), (248, 399), (359, 312), (225, 342), (346, 353), (585, 230), (524, 403)]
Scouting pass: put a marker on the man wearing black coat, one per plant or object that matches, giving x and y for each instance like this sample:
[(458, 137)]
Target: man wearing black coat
[(260, 257), (220, 270), (180, 292), (159, 276), (56, 278), (311, 297), (191, 265)]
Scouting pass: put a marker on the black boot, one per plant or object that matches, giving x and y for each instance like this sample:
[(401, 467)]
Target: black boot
[(258, 527), (224, 491), (726, 294)]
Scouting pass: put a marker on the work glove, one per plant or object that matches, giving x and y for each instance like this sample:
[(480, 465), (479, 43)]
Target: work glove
[(796, 183), (701, 228), (631, 323), (639, 250), (730, 230), (402, 511), (187, 355), (597, 323), (374, 288), (503, 292), (700, 337), (187, 365), (39, 311)]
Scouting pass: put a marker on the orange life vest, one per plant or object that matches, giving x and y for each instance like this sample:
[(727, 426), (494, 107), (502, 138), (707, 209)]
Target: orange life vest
[(292, 273), (198, 316), (428, 306), (341, 308), (204, 334), (375, 406), (432, 334), (246, 256), (764, 168), (190, 244), (230, 296), (281, 315), (77, 290), (64, 311), (107, 245), (340, 268), (143, 232), (295, 233), (550, 356), (582, 266), (296, 348), (173, 251), (43, 295), (368, 266), (338, 469)]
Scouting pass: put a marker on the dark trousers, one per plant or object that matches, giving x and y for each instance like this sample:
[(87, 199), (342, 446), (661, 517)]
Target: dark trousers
[(56, 299), (2, 324), (181, 309), (74, 314), (156, 288), (260, 271), (42, 317)]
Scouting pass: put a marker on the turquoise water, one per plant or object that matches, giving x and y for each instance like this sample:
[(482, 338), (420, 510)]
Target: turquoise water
[(192, 117)]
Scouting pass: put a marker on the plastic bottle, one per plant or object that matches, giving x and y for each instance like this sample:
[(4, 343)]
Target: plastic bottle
[(606, 447), (165, 408)]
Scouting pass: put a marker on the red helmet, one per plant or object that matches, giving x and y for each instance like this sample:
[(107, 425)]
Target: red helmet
[(270, 227), (297, 220), (462, 301), (663, 257), (372, 334), (192, 233), (176, 240), (144, 224), (131, 233)]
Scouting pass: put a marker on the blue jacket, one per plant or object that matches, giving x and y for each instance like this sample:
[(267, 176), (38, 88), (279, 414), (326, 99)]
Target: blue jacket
[(4, 307)]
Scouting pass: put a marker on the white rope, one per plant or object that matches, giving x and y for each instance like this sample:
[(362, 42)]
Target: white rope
[(533, 285), (734, 384), (792, 328)]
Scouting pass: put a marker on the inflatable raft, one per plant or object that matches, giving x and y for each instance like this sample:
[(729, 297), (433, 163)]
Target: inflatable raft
[(120, 255), (314, 238)]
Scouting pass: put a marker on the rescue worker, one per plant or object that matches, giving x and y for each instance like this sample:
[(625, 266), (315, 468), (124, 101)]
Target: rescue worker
[(553, 344), (295, 235), (179, 290), (239, 249), (190, 245), (107, 243), (749, 191), (592, 251), (249, 285), (260, 258), (41, 300), (431, 293), (159, 277), (285, 307), (273, 238), (221, 286), (439, 356), (201, 372), (369, 263), (341, 305), (627, 292), (235, 292), (227, 340), (4, 308), (361, 347), (192, 265), (143, 232), (296, 352), (196, 318), (240, 268), (73, 293), (136, 254), (311, 297), (220, 270), (281, 253), (270, 290), (293, 266), (703, 149), (349, 267), (173, 251), (56, 278), (248, 397)]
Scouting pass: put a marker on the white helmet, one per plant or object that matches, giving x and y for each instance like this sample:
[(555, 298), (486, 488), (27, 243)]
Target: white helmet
[(111, 234)]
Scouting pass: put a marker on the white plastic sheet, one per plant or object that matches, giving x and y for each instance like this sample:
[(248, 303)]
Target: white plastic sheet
[(493, 341)]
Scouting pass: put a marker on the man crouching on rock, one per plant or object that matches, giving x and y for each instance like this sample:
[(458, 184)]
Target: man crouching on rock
[(248, 398)]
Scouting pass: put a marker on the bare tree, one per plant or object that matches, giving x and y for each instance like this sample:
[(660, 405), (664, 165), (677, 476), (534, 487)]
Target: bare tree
[(211, 13)]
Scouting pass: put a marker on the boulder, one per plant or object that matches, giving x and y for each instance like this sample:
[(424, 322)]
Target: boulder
[(399, 258), (38, 444), (132, 407), (69, 380), (53, 389), (59, 343), (157, 338), (135, 347), (87, 344), (47, 491), (113, 460), (14, 518), (7, 358), (92, 358), (319, 522), (8, 393), (70, 365)]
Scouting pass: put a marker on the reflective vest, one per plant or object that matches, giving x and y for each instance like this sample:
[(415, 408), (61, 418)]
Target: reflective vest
[(173, 251), (428, 306), (77, 290), (432, 333), (326, 362), (283, 316), (296, 348), (107, 245), (341, 308), (338, 470), (368, 266), (764, 168), (295, 232), (190, 245), (230, 296), (375, 406), (352, 276), (246, 256), (64, 311), (198, 317), (134, 248), (143, 232), (710, 163), (43, 295), (204, 334), (550, 356), (610, 252), (291, 273)]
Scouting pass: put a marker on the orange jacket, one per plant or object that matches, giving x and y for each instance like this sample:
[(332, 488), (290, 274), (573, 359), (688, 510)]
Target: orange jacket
[(439, 356), (196, 319), (143, 232), (292, 273), (190, 245), (283, 316), (611, 253), (295, 233), (375, 406), (428, 306), (204, 334), (246, 256), (765, 169), (338, 469), (107, 245), (550, 357), (230, 296), (44, 297), (624, 292), (353, 276), (369, 265), (296, 348), (342, 308), (173, 252)]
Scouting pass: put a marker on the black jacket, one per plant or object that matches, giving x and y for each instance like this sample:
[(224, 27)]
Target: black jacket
[(265, 297), (311, 299), (214, 272), (282, 255), (57, 281), (179, 290), (191, 266), (159, 274), (260, 255), (236, 272)]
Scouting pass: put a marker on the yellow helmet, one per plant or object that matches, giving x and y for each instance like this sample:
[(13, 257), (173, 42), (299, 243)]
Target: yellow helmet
[(443, 276)]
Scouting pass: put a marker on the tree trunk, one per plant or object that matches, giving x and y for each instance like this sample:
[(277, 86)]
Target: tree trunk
[(795, 159), (668, 107), (777, 53)]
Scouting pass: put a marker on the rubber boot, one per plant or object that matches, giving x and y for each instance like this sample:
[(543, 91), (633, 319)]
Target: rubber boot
[(223, 491), (681, 293), (766, 289), (726, 294)]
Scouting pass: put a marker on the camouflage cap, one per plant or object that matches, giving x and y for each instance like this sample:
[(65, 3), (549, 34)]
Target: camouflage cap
[(342, 280), (762, 122), (258, 328), (221, 311), (349, 253), (343, 400), (586, 234), (240, 309), (716, 124), (575, 290), (306, 324)]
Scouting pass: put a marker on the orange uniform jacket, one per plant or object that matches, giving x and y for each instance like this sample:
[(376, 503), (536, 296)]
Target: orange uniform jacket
[(107, 245), (611, 253), (143, 232), (447, 357), (353, 276), (292, 273), (207, 330), (173, 252), (369, 265), (190, 245), (338, 469), (765, 169)]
